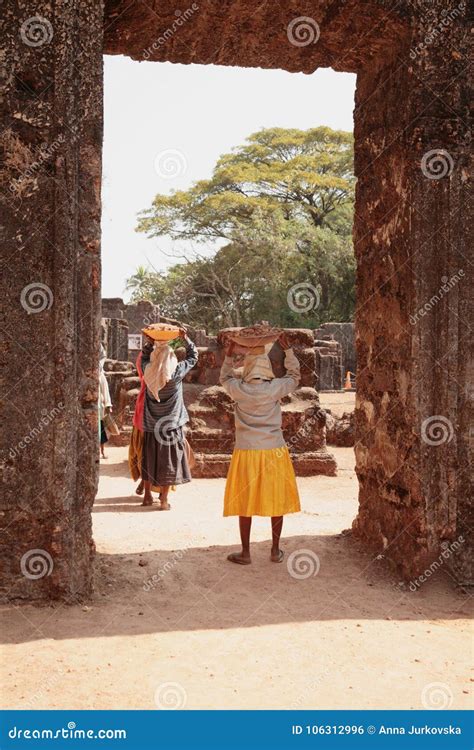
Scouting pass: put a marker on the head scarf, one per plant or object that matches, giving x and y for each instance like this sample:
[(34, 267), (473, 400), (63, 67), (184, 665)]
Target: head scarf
[(258, 366), (161, 367)]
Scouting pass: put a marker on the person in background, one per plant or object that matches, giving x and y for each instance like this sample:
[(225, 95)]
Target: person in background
[(165, 457), (261, 479), (136, 441), (135, 449), (105, 403)]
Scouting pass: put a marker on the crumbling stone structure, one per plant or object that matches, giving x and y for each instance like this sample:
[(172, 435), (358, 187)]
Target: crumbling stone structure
[(329, 373), (114, 338), (411, 162), (211, 430), (137, 314), (344, 334)]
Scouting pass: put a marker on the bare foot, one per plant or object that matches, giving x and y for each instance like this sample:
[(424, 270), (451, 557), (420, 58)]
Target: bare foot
[(140, 487), (277, 555), (164, 506), (147, 501), (240, 558)]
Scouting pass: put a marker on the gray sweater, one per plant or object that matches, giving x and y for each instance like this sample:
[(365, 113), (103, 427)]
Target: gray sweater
[(257, 405)]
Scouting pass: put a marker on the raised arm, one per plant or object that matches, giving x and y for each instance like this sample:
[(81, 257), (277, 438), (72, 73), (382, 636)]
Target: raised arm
[(289, 382), (192, 356), (147, 348), (226, 378)]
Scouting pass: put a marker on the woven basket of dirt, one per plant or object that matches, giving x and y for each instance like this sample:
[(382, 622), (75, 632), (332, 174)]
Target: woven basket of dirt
[(161, 331), (256, 336)]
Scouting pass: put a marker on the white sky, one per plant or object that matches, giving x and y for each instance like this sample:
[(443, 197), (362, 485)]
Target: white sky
[(200, 111)]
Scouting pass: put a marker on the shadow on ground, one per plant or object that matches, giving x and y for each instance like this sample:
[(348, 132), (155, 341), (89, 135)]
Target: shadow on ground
[(321, 578)]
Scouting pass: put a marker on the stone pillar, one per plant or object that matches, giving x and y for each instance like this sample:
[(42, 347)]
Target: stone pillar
[(411, 118), (51, 186)]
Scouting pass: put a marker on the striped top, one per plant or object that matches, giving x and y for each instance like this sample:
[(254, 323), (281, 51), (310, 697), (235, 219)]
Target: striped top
[(170, 409)]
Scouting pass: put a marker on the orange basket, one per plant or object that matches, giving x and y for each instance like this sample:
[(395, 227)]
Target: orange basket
[(161, 332)]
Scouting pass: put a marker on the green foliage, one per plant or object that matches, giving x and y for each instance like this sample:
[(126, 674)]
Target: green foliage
[(283, 204)]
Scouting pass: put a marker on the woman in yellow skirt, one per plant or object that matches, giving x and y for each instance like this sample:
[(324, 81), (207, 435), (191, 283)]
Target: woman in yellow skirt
[(261, 479)]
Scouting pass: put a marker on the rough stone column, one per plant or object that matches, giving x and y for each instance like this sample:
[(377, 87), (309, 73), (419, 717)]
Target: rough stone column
[(52, 140), (411, 123)]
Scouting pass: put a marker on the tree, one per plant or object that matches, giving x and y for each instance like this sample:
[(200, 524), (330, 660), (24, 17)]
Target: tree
[(306, 174), (283, 203), (138, 283)]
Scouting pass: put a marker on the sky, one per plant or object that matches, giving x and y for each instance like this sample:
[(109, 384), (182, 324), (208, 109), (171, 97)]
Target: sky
[(165, 126)]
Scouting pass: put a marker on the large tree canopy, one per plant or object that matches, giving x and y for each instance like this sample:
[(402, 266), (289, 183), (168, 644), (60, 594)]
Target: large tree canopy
[(283, 203)]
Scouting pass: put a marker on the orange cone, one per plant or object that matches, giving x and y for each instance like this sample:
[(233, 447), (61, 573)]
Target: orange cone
[(348, 384)]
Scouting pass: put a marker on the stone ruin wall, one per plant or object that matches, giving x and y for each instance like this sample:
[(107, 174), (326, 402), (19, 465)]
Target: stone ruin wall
[(344, 335), (409, 233), (211, 428)]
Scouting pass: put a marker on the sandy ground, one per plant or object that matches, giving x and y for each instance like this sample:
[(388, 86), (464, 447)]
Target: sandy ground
[(337, 401), (172, 624)]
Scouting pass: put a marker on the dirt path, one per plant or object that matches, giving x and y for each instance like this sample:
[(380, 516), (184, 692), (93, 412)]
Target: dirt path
[(172, 624)]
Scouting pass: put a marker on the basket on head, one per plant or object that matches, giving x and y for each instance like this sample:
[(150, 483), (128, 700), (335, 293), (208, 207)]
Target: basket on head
[(161, 332), (256, 336)]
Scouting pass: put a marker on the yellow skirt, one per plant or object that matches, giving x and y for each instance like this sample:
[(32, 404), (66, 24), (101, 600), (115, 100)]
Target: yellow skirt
[(261, 483), (135, 451)]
